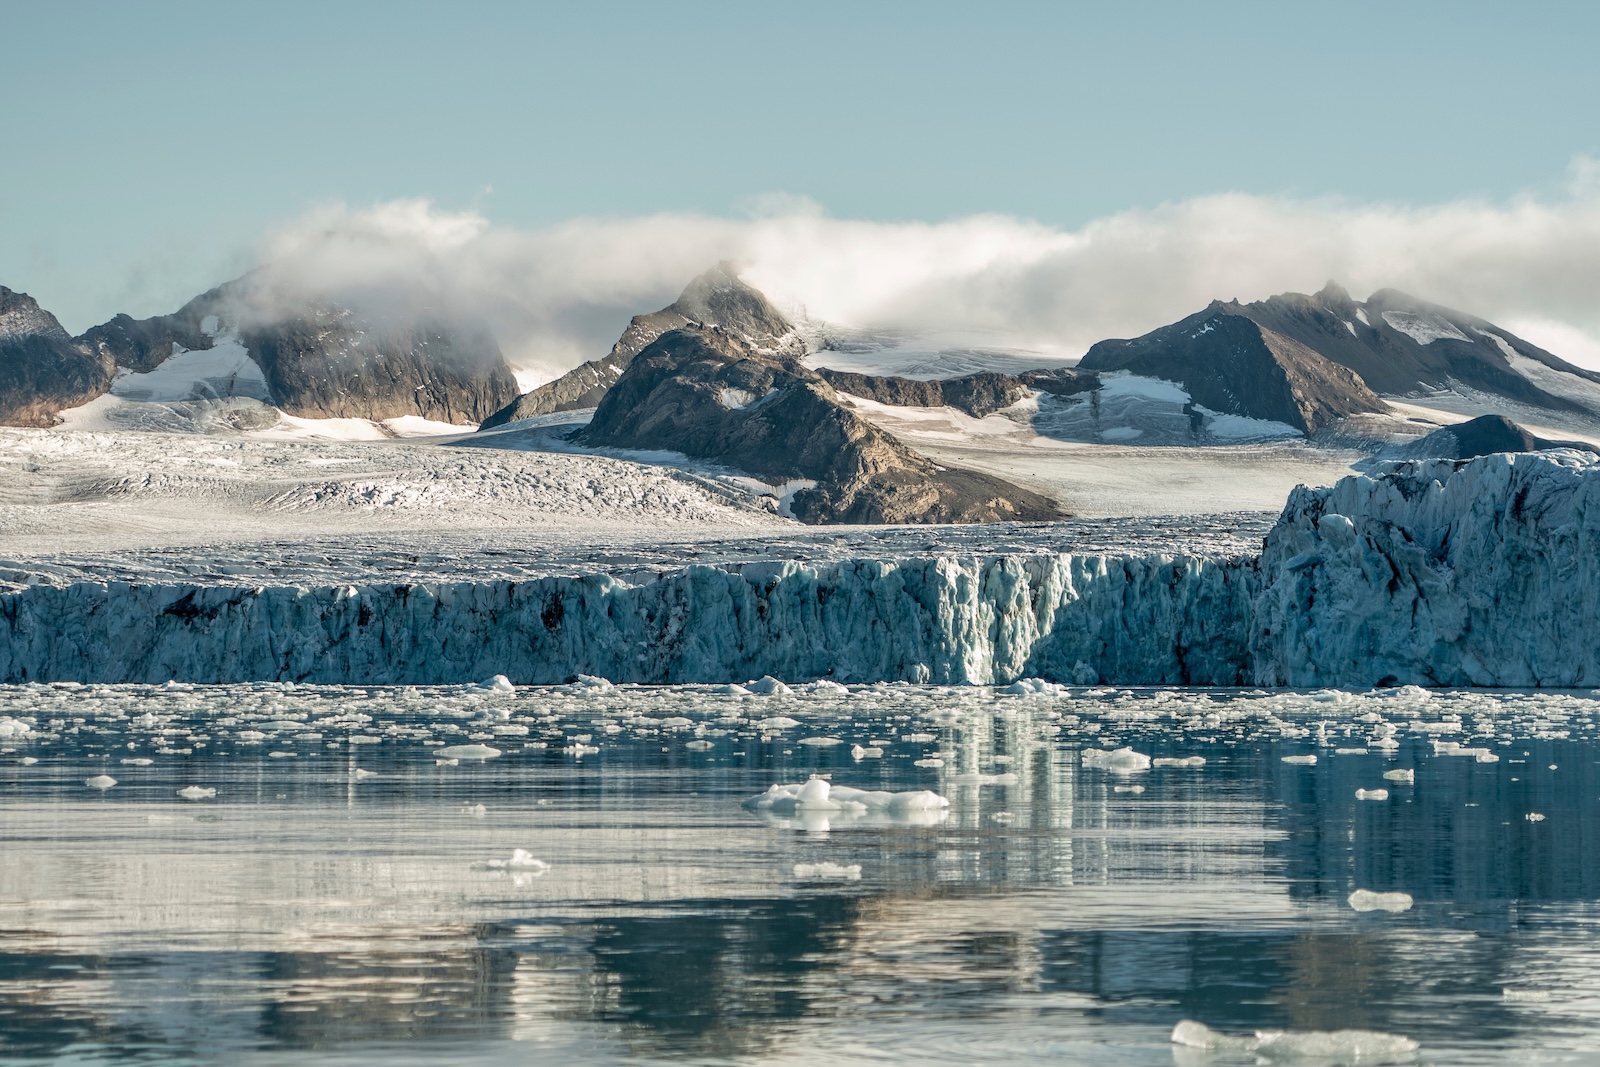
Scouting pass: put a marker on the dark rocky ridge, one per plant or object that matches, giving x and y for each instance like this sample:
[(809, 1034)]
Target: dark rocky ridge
[(976, 394), (1482, 436), (1231, 364), (710, 395), (1362, 337), (42, 369), (320, 360), (715, 298)]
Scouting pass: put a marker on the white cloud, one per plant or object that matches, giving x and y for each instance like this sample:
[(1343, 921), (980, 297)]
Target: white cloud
[(561, 295)]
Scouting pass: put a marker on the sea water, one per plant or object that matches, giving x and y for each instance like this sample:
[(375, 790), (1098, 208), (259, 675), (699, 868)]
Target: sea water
[(482, 874)]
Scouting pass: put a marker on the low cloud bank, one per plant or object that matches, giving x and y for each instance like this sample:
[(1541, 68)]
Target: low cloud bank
[(561, 295)]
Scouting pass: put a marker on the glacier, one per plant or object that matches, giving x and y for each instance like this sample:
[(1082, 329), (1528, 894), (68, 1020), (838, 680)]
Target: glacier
[(1427, 572)]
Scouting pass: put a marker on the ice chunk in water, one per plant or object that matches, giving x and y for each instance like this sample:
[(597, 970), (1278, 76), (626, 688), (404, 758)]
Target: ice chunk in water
[(1028, 687), (469, 752), (1398, 775), (1178, 761), (28, 761), (101, 782), (767, 685), (700, 745), (589, 681), (1534, 816), (1367, 900), (857, 752), (1372, 794), (827, 872), (196, 792), (10, 727), (1301, 761), (819, 796), (1328, 1047), (499, 684), (1117, 761), (777, 722), (521, 860), (138, 761), (474, 811), (820, 742)]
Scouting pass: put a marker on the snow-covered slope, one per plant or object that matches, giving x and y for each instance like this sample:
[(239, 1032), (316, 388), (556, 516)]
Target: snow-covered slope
[(1434, 572)]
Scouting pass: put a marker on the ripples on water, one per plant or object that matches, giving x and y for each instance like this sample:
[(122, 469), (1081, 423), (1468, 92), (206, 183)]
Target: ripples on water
[(343, 897)]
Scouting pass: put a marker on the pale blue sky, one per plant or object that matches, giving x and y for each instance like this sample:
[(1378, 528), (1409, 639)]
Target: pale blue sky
[(147, 146)]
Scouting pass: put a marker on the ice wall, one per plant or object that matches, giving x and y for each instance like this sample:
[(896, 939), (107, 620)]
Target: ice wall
[(1437, 572), (1078, 618)]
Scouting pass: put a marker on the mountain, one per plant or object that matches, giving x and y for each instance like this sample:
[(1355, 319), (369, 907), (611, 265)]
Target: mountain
[(42, 369), (715, 298), (1402, 346), (312, 359), (1231, 364), (712, 395)]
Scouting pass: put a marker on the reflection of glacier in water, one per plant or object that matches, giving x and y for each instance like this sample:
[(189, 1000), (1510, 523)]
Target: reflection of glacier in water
[(347, 892)]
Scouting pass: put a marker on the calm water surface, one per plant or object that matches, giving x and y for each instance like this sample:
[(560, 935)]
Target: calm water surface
[(343, 898)]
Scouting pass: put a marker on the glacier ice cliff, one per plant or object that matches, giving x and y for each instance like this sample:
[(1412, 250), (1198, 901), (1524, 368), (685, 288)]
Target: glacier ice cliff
[(1435, 572)]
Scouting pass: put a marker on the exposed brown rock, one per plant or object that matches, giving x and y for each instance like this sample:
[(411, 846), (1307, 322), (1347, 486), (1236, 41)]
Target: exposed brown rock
[(716, 297), (42, 369), (710, 395), (1231, 364)]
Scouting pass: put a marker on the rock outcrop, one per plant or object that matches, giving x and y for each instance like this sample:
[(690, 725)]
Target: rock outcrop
[(42, 369), (715, 298), (713, 396), (1482, 436), (1231, 364), (978, 394)]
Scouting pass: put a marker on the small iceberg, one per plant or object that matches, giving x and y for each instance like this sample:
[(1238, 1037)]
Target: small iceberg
[(820, 798), (498, 684), (522, 861), (1178, 761), (1405, 776), (1301, 761), (1117, 761), (1372, 794), (1367, 900), (460, 752), (767, 685), (101, 782), (197, 792)]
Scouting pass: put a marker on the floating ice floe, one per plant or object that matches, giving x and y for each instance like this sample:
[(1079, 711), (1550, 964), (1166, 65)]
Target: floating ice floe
[(1301, 761), (28, 761), (360, 775), (197, 792), (1534, 816), (12, 728), (467, 752), (1118, 761), (859, 752), (521, 860), (593, 683), (777, 722), (827, 872), (101, 782), (474, 811), (699, 745), (1525, 996), (1372, 794), (931, 761), (1345, 1048), (1367, 900), (1135, 789), (820, 742), (732, 689), (138, 761), (499, 684), (767, 685), (1031, 687), (1178, 761), (1401, 775), (817, 799)]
